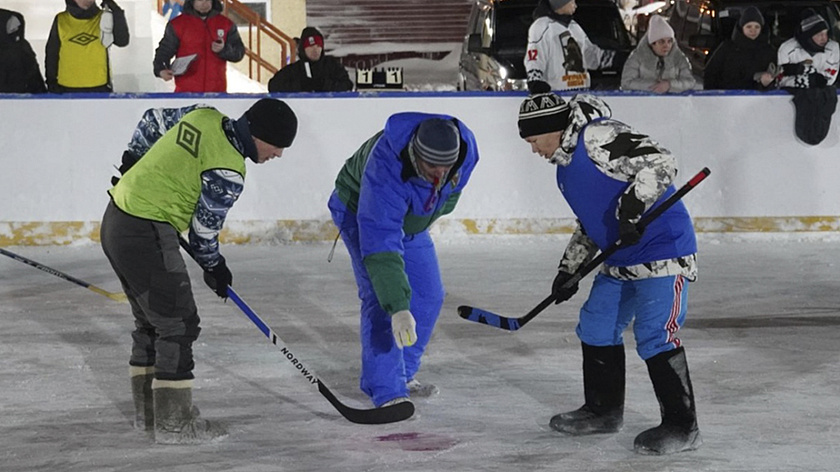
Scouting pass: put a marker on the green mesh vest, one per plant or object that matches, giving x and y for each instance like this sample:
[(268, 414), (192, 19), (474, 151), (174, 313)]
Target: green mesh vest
[(165, 184)]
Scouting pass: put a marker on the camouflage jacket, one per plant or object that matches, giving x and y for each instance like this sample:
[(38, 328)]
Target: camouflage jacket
[(649, 168)]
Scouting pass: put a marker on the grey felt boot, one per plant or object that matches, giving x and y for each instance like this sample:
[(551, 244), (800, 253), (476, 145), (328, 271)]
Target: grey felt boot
[(141, 392), (177, 421)]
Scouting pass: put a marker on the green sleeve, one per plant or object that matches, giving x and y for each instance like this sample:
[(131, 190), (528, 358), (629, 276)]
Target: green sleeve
[(390, 283), (449, 206)]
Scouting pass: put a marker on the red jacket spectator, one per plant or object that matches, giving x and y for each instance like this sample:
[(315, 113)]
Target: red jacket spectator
[(203, 31)]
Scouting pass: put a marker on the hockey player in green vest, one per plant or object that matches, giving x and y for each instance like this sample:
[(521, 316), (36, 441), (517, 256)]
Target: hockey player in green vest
[(183, 170)]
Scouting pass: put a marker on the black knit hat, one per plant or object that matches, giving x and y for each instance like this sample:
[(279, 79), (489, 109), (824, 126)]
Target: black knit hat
[(558, 4), (751, 14), (272, 121), (811, 23), (543, 113), (437, 142)]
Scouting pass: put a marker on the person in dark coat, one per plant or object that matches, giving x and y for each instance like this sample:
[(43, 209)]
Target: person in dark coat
[(314, 71), (19, 71), (745, 62), (809, 63)]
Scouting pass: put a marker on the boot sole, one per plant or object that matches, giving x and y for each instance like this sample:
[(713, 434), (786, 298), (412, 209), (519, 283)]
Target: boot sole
[(693, 445)]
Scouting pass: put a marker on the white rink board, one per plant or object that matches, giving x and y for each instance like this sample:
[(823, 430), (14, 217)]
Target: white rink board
[(61, 153)]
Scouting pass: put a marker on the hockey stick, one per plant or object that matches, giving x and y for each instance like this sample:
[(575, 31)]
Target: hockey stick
[(117, 297), (512, 324), (382, 415)]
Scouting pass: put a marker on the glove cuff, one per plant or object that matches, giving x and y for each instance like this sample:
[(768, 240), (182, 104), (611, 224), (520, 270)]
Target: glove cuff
[(221, 264), (401, 313)]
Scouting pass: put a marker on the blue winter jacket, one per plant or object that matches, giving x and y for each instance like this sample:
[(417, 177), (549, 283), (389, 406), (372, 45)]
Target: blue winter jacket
[(391, 202)]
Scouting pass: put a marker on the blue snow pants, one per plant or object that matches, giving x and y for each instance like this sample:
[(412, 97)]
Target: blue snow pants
[(658, 304), (385, 367)]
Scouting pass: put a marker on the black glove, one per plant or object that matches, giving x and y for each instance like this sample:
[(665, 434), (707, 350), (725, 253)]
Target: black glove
[(817, 80), (793, 69), (619, 59), (111, 4), (631, 209), (560, 293), (128, 161), (629, 233), (218, 278), (538, 86)]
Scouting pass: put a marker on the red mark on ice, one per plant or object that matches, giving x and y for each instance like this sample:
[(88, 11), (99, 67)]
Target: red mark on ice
[(418, 441)]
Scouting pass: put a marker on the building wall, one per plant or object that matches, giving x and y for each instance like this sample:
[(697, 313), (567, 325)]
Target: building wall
[(289, 15)]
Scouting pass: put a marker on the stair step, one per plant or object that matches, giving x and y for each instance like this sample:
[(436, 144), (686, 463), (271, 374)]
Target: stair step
[(386, 21)]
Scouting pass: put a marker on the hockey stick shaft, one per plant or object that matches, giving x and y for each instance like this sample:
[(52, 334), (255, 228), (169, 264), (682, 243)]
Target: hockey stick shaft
[(389, 414), (512, 324), (118, 297)]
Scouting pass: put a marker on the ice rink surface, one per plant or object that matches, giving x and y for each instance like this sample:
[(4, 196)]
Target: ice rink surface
[(761, 340)]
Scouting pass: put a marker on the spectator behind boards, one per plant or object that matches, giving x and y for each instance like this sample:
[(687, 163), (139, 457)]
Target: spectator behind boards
[(206, 38), (808, 63), (77, 48), (387, 195), (656, 65), (183, 171), (745, 62), (19, 70), (559, 53), (314, 71)]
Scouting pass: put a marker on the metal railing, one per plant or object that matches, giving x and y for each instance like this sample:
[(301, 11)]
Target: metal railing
[(262, 40)]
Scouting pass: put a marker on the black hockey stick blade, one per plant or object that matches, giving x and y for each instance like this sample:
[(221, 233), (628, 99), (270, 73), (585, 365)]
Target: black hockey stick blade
[(383, 415), (513, 324)]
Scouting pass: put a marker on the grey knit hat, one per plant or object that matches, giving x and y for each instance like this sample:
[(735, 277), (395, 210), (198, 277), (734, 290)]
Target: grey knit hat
[(437, 142)]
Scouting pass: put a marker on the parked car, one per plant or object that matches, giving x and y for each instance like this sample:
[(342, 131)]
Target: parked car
[(701, 25), (497, 36)]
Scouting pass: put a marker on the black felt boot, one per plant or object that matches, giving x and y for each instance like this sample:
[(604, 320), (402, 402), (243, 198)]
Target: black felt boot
[(603, 389), (672, 384)]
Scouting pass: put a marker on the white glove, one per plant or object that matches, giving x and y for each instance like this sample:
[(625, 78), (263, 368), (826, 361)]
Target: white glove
[(106, 28), (404, 328)]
